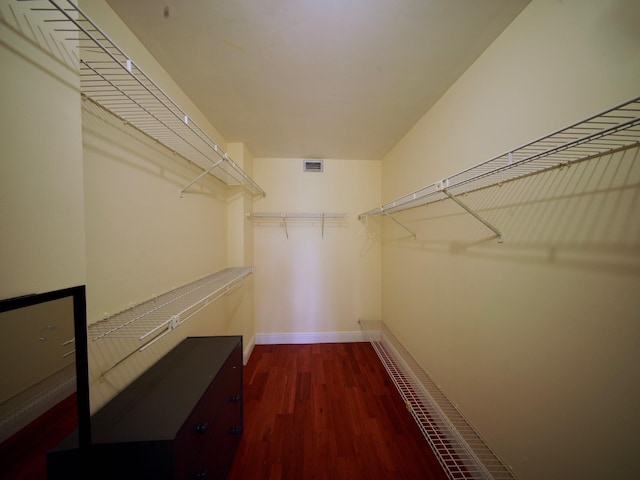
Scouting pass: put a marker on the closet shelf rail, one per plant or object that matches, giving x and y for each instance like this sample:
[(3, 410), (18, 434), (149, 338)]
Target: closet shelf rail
[(156, 317), (299, 215), (110, 78), (461, 451), (614, 129), (322, 216)]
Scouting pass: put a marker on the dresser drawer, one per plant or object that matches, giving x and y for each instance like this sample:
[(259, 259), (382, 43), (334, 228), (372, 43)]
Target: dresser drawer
[(223, 398), (215, 457), (179, 420)]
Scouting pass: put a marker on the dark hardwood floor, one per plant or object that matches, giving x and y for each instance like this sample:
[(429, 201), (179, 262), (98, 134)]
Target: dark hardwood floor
[(22, 456), (327, 411)]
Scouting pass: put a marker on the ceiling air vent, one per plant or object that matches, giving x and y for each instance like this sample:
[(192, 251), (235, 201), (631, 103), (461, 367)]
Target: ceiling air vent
[(312, 165)]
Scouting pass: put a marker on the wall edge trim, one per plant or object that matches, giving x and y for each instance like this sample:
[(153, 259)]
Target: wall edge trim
[(248, 350)]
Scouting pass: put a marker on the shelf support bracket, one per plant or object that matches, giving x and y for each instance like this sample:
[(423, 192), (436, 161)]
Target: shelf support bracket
[(413, 234), (472, 212), (195, 180), (131, 354)]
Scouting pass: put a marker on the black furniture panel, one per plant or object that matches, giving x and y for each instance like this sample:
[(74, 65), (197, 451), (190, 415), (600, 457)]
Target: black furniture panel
[(181, 419)]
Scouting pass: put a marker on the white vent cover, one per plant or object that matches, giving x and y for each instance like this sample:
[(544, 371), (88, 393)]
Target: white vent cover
[(312, 165)]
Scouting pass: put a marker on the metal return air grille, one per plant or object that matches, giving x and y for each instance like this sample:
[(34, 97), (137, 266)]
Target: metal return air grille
[(459, 449), (312, 166)]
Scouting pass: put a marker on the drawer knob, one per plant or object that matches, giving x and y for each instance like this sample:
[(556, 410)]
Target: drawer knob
[(199, 475), (201, 428), (235, 431), (235, 399)]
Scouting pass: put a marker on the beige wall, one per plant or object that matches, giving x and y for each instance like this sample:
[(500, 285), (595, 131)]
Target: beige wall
[(535, 339), (100, 12), (36, 339), (41, 195), (307, 284), (143, 238), (88, 200), (557, 63), (240, 248), (42, 245)]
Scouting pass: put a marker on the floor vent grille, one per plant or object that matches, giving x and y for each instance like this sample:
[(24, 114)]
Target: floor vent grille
[(460, 450)]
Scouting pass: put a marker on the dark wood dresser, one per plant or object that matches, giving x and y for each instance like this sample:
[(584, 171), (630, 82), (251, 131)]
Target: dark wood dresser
[(181, 419)]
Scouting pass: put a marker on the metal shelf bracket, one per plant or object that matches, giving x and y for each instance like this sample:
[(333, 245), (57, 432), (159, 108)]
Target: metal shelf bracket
[(153, 319), (324, 218), (112, 80), (475, 214), (612, 130), (197, 179), (413, 234)]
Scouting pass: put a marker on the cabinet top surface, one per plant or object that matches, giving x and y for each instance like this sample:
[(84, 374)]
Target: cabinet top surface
[(155, 405)]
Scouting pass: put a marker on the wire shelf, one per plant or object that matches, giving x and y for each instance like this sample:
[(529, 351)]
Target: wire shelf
[(165, 312), (299, 215), (324, 218), (462, 453), (612, 130), (110, 78)]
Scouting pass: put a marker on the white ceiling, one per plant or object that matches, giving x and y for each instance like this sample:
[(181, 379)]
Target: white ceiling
[(316, 78)]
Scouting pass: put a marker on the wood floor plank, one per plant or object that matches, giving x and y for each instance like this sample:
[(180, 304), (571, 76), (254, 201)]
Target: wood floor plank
[(327, 411), (312, 412), (23, 456)]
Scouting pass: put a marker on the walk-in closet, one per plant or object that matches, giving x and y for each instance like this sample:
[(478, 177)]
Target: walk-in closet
[(301, 239)]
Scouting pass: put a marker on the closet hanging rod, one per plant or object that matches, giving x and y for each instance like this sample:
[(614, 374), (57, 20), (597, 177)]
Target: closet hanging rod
[(151, 320), (167, 310), (110, 78), (611, 130), (296, 215), (195, 180)]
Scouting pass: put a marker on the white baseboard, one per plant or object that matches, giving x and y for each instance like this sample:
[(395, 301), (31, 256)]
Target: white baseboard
[(309, 337), (375, 336)]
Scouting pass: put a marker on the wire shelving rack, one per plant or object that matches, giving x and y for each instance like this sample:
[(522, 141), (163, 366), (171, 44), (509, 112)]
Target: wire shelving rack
[(151, 320), (462, 453), (322, 217), (161, 314), (614, 129), (110, 78)]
